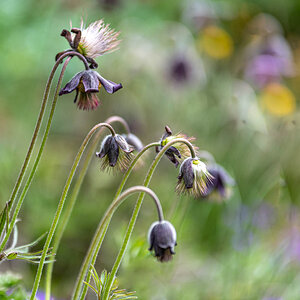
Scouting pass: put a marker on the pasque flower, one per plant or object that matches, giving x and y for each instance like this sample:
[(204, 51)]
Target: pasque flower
[(134, 141), (193, 177), (87, 83), (115, 152), (92, 41), (178, 150), (162, 239), (220, 183)]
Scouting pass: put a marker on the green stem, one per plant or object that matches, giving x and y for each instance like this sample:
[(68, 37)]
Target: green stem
[(70, 204), (31, 175), (61, 204), (31, 146), (96, 242), (137, 209), (101, 231), (35, 133)]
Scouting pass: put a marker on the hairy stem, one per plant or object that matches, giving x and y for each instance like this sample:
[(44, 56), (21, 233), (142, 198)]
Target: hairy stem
[(31, 175), (32, 143), (70, 204), (61, 204), (96, 242), (137, 209), (36, 130), (102, 228)]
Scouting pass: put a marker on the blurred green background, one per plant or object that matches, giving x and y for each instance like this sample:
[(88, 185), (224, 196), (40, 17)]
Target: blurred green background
[(185, 64)]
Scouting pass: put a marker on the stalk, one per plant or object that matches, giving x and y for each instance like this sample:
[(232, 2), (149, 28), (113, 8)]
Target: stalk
[(101, 230), (35, 132), (61, 204), (137, 209), (71, 203)]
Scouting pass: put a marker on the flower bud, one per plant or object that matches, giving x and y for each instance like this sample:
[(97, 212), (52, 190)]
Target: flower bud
[(162, 239), (179, 151)]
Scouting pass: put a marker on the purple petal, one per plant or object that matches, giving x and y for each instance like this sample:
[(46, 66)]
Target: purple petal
[(90, 81), (109, 86), (187, 173), (72, 84)]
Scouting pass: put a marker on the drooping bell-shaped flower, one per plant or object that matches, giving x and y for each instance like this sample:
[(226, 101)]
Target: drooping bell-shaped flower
[(219, 185), (193, 178), (115, 153), (134, 141), (87, 83), (162, 239)]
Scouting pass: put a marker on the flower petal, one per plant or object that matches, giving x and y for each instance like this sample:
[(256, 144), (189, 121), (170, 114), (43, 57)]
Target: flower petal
[(72, 84), (113, 152), (123, 144), (109, 85), (90, 81), (187, 173)]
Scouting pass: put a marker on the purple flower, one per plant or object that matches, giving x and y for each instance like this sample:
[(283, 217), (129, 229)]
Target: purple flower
[(42, 296), (219, 182), (193, 177), (162, 239), (115, 152), (87, 83), (178, 150)]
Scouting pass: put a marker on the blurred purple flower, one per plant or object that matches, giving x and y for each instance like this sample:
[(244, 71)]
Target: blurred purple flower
[(263, 216), (264, 69), (294, 244), (180, 69), (42, 296), (220, 182)]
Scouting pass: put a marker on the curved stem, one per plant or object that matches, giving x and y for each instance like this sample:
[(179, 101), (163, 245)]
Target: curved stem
[(31, 175), (61, 204), (115, 204), (121, 121), (101, 230), (35, 133), (137, 209), (70, 205), (33, 141), (96, 242)]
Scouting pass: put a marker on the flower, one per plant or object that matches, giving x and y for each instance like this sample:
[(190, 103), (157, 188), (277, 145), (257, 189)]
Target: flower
[(216, 42), (115, 152), (162, 239), (180, 150), (92, 41), (278, 100), (134, 141), (87, 83), (193, 177), (42, 296), (219, 184)]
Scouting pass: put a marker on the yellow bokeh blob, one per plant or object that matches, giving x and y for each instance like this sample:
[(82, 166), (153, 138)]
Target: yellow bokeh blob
[(216, 42), (278, 99)]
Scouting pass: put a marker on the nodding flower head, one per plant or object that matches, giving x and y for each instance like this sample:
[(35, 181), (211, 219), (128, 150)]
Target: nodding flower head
[(115, 153), (87, 83), (134, 141), (193, 178), (219, 186), (177, 152), (162, 239), (92, 41)]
